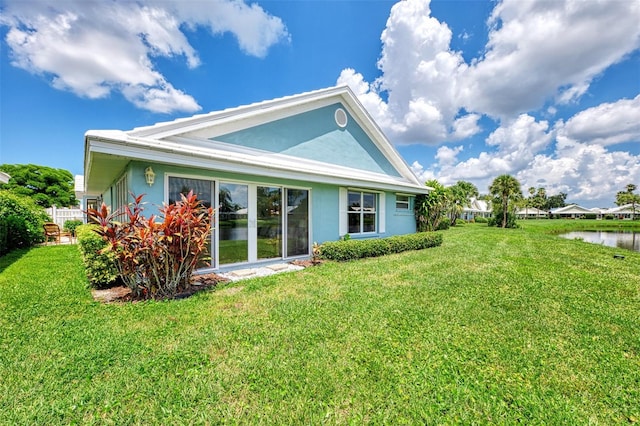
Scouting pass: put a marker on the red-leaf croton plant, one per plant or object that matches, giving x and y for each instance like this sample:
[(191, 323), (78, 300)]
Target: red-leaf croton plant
[(156, 256)]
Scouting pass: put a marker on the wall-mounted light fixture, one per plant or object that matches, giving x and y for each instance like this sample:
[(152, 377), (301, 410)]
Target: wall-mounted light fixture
[(149, 175)]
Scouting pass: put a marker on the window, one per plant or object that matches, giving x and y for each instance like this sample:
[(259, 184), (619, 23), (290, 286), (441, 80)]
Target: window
[(203, 189), (402, 202), (361, 213), (121, 199)]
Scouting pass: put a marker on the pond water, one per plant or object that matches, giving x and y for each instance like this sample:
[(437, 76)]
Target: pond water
[(629, 240)]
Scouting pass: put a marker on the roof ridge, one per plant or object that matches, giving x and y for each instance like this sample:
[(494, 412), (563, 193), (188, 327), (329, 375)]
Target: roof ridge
[(231, 110)]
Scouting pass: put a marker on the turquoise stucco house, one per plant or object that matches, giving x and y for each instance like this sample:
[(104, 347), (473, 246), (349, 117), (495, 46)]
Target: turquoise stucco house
[(281, 174)]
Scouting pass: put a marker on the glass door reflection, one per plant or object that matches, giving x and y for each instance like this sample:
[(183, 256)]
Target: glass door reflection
[(233, 235), (269, 232), (297, 222)]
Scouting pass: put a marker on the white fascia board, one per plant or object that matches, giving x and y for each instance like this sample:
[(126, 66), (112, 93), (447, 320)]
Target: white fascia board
[(168, 153), (571, 209), (376, 134)]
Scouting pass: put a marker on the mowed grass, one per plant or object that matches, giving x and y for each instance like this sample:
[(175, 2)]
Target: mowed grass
[(493, 327)]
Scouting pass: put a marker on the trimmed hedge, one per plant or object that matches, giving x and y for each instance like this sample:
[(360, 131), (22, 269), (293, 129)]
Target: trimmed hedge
[(356, 249), (100, 267)]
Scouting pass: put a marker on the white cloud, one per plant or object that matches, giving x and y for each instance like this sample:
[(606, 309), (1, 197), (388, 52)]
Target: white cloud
[(539, 55), (537, 51), (579, 164), (95, 48), (466, 126), (255, 30), (448, 156), (586, 172), (422, 174), (419, 75), (606, 124)]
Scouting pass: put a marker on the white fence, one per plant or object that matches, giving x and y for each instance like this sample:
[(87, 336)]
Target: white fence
[(59, 216)]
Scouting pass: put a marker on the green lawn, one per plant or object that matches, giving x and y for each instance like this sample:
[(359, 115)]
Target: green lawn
[(495, 326)]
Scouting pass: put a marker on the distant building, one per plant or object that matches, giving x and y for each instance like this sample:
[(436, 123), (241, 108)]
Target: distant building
[(623, 212), (531, 213), (4, 178), (477, 208), (572, 211)]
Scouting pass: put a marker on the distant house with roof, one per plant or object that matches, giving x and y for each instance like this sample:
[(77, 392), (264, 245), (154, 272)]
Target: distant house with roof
[(572, 211), (531, 213), (623, 212), (4, 177), (281, 174), (476, 208)]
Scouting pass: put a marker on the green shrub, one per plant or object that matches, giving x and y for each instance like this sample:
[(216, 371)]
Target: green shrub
[(356, 249), (100, 267), (22, 221), (590, 216), (496, 219), (608, 217), (71, 225), (480, 219), (444, 224)]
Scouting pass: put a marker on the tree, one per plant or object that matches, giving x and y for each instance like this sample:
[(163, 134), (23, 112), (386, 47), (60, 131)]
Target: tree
[(540, 199), (506, 190), (46, 186), (629, 197), (460, 197), (430, 209), (556, 201), (21, 222), (530, 201)]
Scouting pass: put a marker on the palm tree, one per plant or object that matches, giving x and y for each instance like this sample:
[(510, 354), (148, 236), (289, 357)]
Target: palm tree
[(460, 197), (505, 188), (529, 201), (628, 197)]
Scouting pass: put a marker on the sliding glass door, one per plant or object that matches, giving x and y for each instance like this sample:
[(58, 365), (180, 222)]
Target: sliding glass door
[(269, 222), (252, 222), (297, 209), (204, 190), (233, 223)]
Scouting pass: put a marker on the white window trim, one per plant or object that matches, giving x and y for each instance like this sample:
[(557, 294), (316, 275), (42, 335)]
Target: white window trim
[(408, 202), (380, 213)]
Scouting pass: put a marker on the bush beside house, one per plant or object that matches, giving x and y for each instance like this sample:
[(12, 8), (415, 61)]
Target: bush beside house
[(100, 265)]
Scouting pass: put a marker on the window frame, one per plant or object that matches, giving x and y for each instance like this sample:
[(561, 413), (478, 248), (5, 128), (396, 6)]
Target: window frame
[(361, 212), (407, 202), (253, 185)]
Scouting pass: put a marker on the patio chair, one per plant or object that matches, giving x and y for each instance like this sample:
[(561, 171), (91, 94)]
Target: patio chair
[(52, 230)]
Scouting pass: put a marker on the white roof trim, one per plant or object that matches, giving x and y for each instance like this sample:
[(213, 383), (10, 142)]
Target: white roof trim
[(571, 209), (276, 166)]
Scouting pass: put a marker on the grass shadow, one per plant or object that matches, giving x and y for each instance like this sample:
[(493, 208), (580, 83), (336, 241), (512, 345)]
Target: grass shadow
[(8, 259)]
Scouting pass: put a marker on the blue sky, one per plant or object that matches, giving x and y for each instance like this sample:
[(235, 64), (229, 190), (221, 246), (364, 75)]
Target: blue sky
[(548, 91)]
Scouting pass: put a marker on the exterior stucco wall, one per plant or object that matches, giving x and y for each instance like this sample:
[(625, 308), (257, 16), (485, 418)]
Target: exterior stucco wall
[(314, 135), (324, 214)]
